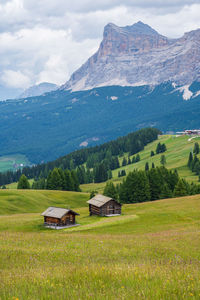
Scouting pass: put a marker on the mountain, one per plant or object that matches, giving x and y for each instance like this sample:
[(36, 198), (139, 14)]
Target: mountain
[(46, 127), (138, 78), (138, 55), (39, 89)]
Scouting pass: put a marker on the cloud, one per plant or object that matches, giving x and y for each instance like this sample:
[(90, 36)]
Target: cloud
[(15, 79), (50, 40), (42, 54)]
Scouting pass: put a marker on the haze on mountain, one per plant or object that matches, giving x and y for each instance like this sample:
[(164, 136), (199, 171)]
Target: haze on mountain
[(38, 89)]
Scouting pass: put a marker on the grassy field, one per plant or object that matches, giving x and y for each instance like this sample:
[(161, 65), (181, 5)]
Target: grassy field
[(150, 252), (8, 162), (26, 201), (178, 149)]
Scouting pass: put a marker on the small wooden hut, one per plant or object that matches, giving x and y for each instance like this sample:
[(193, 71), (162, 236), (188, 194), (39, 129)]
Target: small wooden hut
[(104, 206), (56, 216)]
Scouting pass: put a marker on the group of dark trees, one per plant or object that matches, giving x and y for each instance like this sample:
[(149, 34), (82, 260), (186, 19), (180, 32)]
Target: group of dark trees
[(58, 179), (156, 183), (121, 173), (193, 160), (97, 158), (160, 148)]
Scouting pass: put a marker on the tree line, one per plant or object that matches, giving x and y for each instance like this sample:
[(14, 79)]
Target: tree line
[(92, 157), (193, 160), (57, 180), (154, 184)]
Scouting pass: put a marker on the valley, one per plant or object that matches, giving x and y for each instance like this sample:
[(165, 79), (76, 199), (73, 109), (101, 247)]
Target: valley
[(113, 127)]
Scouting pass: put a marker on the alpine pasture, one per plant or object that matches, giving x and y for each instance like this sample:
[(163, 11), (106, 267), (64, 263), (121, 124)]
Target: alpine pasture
[(150, 252), (178, 149)]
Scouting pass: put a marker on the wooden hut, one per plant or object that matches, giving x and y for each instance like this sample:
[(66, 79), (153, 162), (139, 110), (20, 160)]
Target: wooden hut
[(104, 206), (56, 216)]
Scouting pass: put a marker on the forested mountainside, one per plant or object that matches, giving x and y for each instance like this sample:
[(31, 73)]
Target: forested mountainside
[(46, 127), (102, 156)]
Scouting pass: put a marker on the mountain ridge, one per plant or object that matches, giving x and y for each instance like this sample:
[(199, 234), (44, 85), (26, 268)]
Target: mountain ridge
[(138, 55), (38, 89)]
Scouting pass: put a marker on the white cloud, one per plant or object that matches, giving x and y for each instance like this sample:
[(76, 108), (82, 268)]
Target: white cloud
[(48, 41), (15, 79), (43, 54)]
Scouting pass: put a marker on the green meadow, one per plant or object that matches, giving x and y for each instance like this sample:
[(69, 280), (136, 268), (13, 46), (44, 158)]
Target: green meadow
[(8, 162), (178, 149), (151, 251)]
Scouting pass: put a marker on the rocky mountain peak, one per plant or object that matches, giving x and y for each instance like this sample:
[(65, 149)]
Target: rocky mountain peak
[(138, 55), (138, 37)]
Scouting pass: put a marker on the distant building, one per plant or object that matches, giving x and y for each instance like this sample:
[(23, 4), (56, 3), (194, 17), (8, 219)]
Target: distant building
[(61, 217), (104, 206), (190, 132)]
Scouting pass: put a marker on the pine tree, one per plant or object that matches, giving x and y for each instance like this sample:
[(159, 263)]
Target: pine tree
[(158, 148), (75, 181), (196, 168), (110, 190), (56, 180), (163, 148), (156, 183), (92, 194), (152, 153), (124, 162), (133, 160), (109, 174), (195, 160), (69, 183), (180, 189), (137, 158), (196, 148), (129, 160), (153, 166), (23, 183), (163, 160), (147, 166), (165, 192), (123, 173), (190, 159)]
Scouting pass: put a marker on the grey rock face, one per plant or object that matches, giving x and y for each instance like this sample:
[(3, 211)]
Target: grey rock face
[(138, 55)]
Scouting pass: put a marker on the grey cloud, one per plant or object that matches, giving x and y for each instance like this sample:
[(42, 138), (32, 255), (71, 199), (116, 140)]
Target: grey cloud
[(59, 7)]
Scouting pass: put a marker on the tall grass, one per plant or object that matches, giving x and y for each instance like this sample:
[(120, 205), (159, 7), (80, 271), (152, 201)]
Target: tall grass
[(150, 252)]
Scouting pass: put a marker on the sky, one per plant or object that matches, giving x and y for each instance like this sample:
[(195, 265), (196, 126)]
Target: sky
[(47, 40)]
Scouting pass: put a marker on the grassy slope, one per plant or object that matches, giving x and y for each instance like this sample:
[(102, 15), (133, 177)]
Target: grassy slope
[(7, 162), (177, 153), (24, 201), (178, 149), (150, 252)]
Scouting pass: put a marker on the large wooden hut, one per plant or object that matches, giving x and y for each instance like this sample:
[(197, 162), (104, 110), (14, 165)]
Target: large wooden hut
[(104, 206), (56, 216)]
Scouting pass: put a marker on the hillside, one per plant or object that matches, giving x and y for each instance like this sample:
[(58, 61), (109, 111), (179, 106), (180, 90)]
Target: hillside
[(61, 122), (178, 149), (150, 252), (31, 201)]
